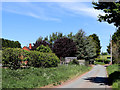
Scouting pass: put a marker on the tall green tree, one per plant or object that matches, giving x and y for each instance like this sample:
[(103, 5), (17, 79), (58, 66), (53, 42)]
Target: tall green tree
[(10, 43), (112, 15), (80, 44), (96, 40), (85, 46), (112, 12), (115, 47)]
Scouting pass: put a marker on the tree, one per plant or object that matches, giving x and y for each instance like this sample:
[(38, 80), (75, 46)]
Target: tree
[(64, 47), (115, 47), (108, 49), (80, 44), (112, 15), (44, 49), (39, 43), (90, 49), (11, 44), (85, 46), (96, 40), (40, 38), (112, 12), (71, 36)]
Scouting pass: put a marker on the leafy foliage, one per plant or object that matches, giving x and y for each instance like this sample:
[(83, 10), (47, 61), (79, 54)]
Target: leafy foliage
[(44, 49), (115, 47), (114, 75), (96, 40), (112, 11), (12, 58), (39, 59), (85, 47), (112, 15), (39, 43), (74, 61), (64, 47), (80, 40), (9, 43)]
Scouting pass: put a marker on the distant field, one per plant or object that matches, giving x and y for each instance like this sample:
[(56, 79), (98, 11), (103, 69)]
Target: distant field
[(104, 56)]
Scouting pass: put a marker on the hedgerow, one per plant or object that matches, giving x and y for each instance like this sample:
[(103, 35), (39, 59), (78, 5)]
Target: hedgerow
[(15, 57)]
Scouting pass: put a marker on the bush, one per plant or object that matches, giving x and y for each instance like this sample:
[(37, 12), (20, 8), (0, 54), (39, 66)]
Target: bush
[(44, 49), (39, 59), (100, 60), (114, 75), (13, 58), (74, 61)]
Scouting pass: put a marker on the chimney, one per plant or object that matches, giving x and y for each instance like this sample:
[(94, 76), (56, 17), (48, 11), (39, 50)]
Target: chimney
[(30, 46)]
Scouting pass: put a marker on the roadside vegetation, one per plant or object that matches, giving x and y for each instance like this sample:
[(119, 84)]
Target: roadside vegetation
[(114, 75), (39, 77), (102, 59)]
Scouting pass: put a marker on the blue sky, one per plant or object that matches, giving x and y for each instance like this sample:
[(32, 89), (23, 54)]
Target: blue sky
[(26, 21)]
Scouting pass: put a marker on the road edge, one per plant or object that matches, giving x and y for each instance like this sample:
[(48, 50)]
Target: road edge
[(72, 79)]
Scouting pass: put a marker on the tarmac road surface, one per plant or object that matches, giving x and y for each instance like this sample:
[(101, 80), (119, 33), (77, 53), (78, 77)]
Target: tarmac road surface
[(96, 78)]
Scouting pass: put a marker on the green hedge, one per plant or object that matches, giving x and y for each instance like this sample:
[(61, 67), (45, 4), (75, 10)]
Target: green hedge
[(12, 58), (106, 61)]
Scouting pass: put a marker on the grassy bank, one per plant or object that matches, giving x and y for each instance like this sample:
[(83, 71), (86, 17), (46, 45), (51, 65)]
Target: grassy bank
[(114, 75), (38, 77)]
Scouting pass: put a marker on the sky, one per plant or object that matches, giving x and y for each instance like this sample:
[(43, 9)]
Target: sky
[(27, 21)]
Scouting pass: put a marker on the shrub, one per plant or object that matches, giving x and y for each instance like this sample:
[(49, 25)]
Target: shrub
[(106, 61), (13, 58), (39, 59), (44, 49), (74, 61)]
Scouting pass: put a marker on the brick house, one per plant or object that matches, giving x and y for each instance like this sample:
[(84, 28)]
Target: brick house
[(28, 48)]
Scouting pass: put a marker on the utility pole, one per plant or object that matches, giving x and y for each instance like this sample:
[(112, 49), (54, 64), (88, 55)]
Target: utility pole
[(111, 47)]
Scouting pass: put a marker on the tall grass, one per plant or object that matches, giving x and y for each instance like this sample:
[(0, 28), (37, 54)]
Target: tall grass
[(38, 77), (114, 75)]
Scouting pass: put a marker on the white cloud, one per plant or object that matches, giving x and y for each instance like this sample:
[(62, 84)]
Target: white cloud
[(48, 0), (81, 8), (52, 11), (28, 9)]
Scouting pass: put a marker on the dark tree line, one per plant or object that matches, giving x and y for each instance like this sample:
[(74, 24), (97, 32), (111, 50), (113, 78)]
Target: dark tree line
[(9, 43)]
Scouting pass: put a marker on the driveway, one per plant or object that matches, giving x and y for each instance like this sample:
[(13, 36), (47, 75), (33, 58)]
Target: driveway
[(96, 78)]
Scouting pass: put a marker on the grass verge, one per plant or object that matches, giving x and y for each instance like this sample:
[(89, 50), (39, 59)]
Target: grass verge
[(114, 76), (39, 77)]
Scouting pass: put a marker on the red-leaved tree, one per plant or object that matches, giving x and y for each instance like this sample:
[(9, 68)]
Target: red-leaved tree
[(64, 47)]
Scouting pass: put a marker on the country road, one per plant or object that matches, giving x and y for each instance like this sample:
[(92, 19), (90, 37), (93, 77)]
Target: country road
[(96, 78)]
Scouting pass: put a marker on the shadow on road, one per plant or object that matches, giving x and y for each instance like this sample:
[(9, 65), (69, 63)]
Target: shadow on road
[(101, 80)]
